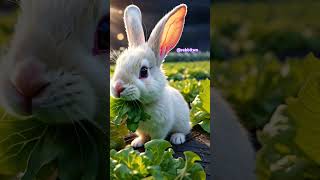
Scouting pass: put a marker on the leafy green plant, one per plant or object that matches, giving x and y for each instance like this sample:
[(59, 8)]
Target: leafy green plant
[(189, 88), (128, 112), (157, 162), (290, 148), (200, 107), (258, 85), (117, 132), (40, 149)]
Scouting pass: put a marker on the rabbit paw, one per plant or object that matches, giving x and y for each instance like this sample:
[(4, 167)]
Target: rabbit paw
[(138, 142), (178, 138)]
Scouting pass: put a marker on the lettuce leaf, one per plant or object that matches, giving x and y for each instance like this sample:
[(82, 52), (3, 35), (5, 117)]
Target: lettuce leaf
[(290, 141), (200, 107), (157, 162), (38, 149), (127, 112)]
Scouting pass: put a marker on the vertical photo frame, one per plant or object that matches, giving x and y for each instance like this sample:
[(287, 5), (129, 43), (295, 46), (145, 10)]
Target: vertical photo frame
[(160, 89)]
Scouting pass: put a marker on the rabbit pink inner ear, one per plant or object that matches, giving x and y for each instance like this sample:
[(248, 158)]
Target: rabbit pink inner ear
[(172, 31)]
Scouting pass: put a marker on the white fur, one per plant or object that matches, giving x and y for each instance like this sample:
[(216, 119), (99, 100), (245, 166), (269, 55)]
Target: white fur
[(132, 20), (168, 110), (59, 35)]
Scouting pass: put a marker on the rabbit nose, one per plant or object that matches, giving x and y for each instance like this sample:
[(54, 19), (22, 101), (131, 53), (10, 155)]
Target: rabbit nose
[(28, 79), (119, 88)]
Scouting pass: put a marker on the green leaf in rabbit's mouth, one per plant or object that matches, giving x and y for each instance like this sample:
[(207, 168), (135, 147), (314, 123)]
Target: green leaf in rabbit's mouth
[(40, 149), (129, 112)]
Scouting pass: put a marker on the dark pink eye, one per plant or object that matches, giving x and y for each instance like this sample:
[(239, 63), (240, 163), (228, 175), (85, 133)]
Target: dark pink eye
[(143, 72)]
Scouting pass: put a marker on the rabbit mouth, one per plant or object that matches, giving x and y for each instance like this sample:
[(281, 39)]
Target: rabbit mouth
[(130, 93), (63, 101)]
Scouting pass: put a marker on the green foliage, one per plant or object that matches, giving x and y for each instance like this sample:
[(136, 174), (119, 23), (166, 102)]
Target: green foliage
[(117, 132), (290, 148), (157, 162), (38, 149), (129, 112), (200, 108), (265, 27), (17, 141), (7, 22), (305, 112), (258, 85), (187, 70), (189, 88)]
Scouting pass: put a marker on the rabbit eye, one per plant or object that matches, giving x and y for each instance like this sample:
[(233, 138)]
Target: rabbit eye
[(101, 44), (143, 72)]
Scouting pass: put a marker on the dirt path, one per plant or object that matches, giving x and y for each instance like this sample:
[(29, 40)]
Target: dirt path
[(233, 154)]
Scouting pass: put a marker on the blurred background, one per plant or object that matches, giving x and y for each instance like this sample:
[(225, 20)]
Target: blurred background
[(282, 28), (7, 20), (265, 54)]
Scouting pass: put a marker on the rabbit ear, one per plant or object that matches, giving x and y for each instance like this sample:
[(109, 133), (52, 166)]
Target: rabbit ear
[(166, 34), (132, 21)]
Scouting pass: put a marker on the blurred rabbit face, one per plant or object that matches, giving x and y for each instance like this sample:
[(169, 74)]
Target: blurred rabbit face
[(57, 91), (50, 73), (137, 76)]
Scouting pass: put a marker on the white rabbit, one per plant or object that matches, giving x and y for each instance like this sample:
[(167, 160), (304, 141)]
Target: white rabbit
[(138, 76), (49, 68)]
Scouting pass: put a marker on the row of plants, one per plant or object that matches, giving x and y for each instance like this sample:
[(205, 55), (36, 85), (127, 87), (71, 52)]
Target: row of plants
[(173, 57), (263, 28), (187, 57), (256, 85)]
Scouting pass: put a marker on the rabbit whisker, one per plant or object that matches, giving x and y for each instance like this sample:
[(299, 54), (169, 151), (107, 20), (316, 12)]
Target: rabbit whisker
[(75, 128)]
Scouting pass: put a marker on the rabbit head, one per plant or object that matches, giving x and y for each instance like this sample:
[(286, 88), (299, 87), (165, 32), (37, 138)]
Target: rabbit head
[(138, 73), (49, 69)]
